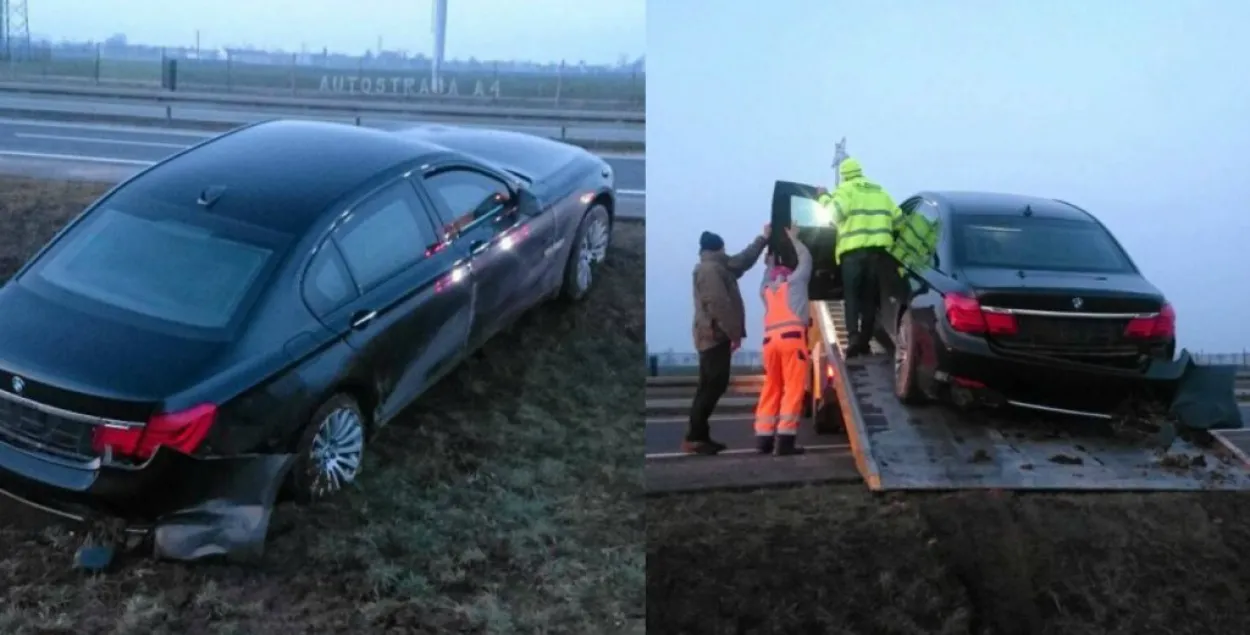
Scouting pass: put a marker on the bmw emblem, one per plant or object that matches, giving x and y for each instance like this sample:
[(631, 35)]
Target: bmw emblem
[(1077, 303), (19, 384)]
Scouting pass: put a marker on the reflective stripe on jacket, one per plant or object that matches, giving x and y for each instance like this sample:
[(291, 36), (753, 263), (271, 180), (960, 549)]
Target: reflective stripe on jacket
[(865, 216)]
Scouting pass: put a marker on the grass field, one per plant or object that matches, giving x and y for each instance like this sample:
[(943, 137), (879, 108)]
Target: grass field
[(836, 559), (575, 89), (507, 501)]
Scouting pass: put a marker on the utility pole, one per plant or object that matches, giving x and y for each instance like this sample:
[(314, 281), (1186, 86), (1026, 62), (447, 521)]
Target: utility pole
[(839, 155), (439, 24)]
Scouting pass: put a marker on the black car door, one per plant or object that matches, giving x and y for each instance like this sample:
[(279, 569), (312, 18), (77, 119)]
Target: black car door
[(411, 311), (505, 239), (796, 202)]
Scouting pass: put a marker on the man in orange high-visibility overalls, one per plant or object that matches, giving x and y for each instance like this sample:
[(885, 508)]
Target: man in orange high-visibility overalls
[(786, 369)]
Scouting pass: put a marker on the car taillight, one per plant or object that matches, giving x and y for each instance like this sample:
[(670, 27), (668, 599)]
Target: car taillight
[(183, 431), (965, 315), (1161, 326)]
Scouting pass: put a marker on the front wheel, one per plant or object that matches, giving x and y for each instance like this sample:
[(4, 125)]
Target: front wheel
[(905, 385), (329, 454), (589, 251)]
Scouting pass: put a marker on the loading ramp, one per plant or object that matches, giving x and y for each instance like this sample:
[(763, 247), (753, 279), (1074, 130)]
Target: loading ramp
[(934, 447)]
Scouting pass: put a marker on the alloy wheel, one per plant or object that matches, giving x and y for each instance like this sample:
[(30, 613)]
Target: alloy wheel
[(594, 249), (337, 450), (900, 357)]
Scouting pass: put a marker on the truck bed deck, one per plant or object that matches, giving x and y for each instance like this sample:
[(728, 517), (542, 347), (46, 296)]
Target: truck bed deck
[(935, 447)]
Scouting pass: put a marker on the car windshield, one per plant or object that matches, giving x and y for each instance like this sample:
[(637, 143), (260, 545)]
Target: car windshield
[(804, 212), (1029, 242), (193, 274)]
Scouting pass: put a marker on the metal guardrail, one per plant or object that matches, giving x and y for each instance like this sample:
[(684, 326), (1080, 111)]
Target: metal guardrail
[(385, 76), (313, 105)]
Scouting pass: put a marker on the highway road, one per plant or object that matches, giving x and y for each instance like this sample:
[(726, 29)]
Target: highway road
[(83, 151), (230, 114)]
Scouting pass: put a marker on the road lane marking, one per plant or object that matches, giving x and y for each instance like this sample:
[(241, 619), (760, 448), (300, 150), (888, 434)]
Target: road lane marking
[(642, 193), (810, 448), (124, 142), (73, 157)]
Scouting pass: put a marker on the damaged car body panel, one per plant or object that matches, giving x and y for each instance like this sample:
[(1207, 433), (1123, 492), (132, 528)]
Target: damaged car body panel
[(1012, 300), (241, 317)]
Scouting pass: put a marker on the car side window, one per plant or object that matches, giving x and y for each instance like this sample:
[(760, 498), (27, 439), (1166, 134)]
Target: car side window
[(327, 286), (385, 233), (466, 195)]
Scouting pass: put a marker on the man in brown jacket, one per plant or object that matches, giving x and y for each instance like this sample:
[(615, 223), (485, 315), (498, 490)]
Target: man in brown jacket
[(719, 326)]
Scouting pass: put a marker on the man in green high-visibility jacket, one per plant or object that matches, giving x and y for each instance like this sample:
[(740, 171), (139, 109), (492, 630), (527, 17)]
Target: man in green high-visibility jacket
[(866, 219), (915, 242)]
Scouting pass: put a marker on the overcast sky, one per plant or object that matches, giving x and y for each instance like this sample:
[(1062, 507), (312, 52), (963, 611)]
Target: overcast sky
[(1139, 112), (596, 31)]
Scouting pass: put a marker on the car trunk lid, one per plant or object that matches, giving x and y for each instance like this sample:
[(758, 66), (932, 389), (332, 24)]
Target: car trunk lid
[(1072, 316), (64, 372)]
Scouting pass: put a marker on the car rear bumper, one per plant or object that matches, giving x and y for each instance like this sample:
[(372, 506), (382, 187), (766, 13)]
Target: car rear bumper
[(168, 482), (1055, 384)]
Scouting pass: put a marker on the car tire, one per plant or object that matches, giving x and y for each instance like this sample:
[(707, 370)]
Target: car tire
[(590, 249), (329, 452), (906, 388)]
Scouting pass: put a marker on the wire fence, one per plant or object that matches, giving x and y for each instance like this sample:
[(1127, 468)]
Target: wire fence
[(383, 77), (674, 363)]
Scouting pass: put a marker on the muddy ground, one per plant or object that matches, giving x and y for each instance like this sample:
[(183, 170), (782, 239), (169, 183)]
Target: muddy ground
[(507, 501), (836, 559)]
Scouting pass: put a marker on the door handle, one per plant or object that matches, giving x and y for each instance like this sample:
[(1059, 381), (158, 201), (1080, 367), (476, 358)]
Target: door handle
[(361, 319)]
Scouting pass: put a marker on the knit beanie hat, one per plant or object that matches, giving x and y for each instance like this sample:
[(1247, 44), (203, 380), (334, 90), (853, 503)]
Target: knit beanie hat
[(710, 242)]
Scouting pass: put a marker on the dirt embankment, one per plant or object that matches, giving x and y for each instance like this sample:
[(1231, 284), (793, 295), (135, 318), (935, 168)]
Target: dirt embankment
[(837, 559)]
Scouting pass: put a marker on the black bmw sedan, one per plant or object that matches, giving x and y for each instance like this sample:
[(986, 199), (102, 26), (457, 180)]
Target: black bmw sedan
[(288, 287), (1003, 299)]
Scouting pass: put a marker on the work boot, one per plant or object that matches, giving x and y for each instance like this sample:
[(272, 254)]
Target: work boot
[(764, 444), (852, 347), (706, 448), (786, 447), (862, 347)]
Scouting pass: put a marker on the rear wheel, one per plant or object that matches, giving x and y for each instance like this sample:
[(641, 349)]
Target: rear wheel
[(589, 251), (329, 454), (905, 385)]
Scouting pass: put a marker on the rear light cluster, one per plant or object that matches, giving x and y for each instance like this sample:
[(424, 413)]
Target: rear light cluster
[(1161, 326), (966, 315), (183, 431)]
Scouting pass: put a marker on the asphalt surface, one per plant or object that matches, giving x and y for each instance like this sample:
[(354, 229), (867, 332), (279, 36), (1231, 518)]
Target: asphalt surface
[(732, 425), (664, 436), (230, 114), (96, 152)]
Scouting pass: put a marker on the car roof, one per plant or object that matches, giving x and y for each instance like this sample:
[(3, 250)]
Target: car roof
[(281, 175), (962, 203), (528, 156)]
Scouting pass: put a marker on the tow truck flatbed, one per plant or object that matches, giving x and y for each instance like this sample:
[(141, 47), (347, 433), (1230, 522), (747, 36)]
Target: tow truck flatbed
[(935, 447)]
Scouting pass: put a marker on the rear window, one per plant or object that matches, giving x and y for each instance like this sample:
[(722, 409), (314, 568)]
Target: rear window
[(190, 271), (1023, 242)]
